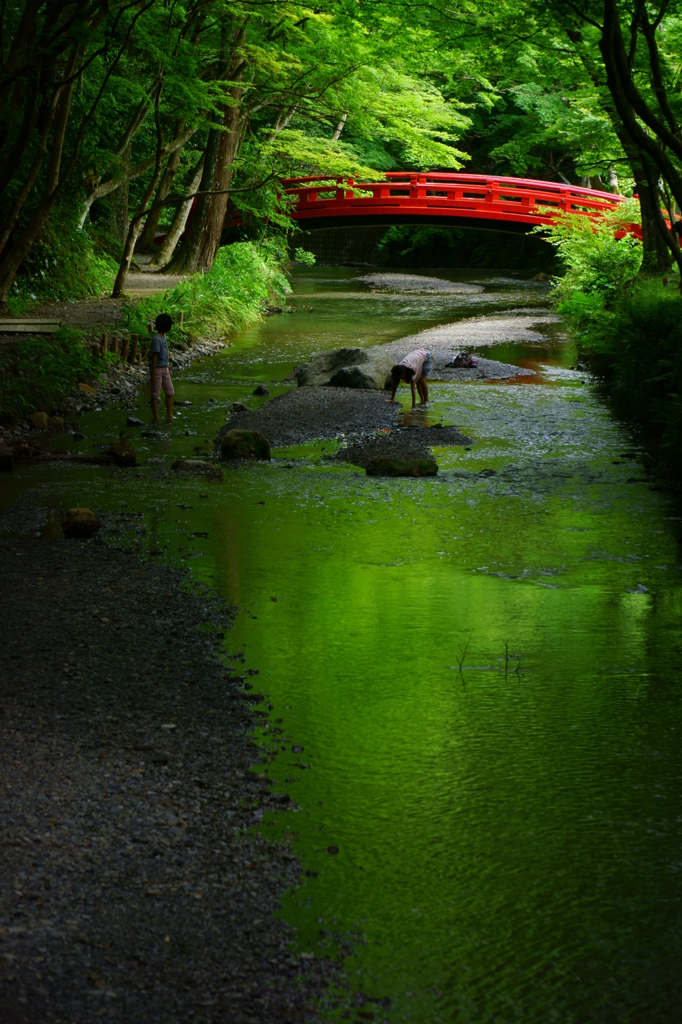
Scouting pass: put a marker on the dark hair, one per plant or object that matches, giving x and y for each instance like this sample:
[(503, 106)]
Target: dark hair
[(163, 322), (400, 372)]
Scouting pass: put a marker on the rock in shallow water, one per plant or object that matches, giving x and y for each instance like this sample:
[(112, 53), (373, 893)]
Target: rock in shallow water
[(40, 420), (322, 367), (401, 467), (356, 377), (133, 421), (245, 444), (80, 523), (261, 390)]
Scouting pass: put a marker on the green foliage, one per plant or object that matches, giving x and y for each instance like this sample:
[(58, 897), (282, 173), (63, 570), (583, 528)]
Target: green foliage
[(304, 257), (226, 299), (628, 328), (637, 354), (37, 372), (65, 263), (600, 268)]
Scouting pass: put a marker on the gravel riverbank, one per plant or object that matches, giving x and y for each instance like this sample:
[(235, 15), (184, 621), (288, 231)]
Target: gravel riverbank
[(371, 425), (129, 890)]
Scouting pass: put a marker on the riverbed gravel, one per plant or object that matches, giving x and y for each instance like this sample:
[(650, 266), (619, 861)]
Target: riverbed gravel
[(130, 889), (415, 441), (418, 284), (309, 414)]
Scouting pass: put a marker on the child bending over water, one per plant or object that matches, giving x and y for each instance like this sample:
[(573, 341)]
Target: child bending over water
[(413, 369)]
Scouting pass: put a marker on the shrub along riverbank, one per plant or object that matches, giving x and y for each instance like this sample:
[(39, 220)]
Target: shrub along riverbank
[(629, 329), (637, 355), (39, 372)]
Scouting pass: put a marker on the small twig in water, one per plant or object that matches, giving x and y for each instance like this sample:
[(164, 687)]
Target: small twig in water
[(460, 661), (506, 657), (518, 667)]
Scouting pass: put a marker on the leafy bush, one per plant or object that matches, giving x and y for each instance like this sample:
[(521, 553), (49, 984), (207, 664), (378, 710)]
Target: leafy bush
[(600, 268), (36, 372), (639, 362), (226, 299), (304, 257), (629, 329), (65, 263)]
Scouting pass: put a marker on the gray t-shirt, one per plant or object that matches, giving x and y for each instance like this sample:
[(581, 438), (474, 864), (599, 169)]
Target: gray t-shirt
[(160, 346)]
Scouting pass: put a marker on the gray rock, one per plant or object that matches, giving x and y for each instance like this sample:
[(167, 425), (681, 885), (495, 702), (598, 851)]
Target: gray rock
[(133, 421), (261, 390), (239, 407), (322, 367), (356, 377)]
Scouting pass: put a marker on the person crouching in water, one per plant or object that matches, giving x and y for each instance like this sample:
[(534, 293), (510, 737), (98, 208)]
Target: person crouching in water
[(159, 368), (413, 369)]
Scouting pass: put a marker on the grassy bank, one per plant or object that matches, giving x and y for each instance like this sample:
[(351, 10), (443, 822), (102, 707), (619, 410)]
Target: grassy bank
[(629, 328), (36, 373), (223, 301)]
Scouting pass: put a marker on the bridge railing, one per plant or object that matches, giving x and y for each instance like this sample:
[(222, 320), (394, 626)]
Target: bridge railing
[(475, 196)]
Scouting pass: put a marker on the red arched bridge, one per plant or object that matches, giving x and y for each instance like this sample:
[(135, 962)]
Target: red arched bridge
[(456, 200)]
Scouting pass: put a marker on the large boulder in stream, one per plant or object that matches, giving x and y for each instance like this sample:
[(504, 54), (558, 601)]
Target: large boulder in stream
[(382, 466), (245, 444), (347, 368), (80, 523)]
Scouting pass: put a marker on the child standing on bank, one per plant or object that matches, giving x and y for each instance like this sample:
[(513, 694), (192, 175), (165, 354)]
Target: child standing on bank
[(159, 367)]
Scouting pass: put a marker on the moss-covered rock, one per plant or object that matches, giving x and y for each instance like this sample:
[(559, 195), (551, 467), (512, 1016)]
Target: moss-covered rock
[(401, 467), (245, 444), (39, 420), (80, 523)]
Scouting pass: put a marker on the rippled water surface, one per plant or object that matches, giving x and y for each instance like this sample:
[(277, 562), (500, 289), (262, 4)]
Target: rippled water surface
[(482, 669)]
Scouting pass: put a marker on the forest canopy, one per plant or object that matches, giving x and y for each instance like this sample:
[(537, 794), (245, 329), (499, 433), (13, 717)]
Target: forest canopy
[(112, 114)]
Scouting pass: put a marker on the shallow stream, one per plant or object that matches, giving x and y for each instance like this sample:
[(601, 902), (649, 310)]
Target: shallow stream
[(474, 678)]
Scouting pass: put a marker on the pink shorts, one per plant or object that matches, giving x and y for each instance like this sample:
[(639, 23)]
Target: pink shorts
[(162, 379)]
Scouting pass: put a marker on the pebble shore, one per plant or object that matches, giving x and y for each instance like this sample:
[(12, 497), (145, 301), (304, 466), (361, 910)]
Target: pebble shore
[(130, 888)]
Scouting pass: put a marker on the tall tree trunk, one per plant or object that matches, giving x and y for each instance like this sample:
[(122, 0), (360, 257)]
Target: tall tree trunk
[(119, 203), (16, 254), (215, 220), (136, 222), (186, 261), (656, 254), (339, 128), (148, 234), (202, 237), (179, 220)]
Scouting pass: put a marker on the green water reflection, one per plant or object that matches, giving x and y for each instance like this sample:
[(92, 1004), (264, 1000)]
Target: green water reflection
[(509, 835)]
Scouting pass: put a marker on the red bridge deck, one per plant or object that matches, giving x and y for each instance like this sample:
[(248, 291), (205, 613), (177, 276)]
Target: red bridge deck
[(458, 200)]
